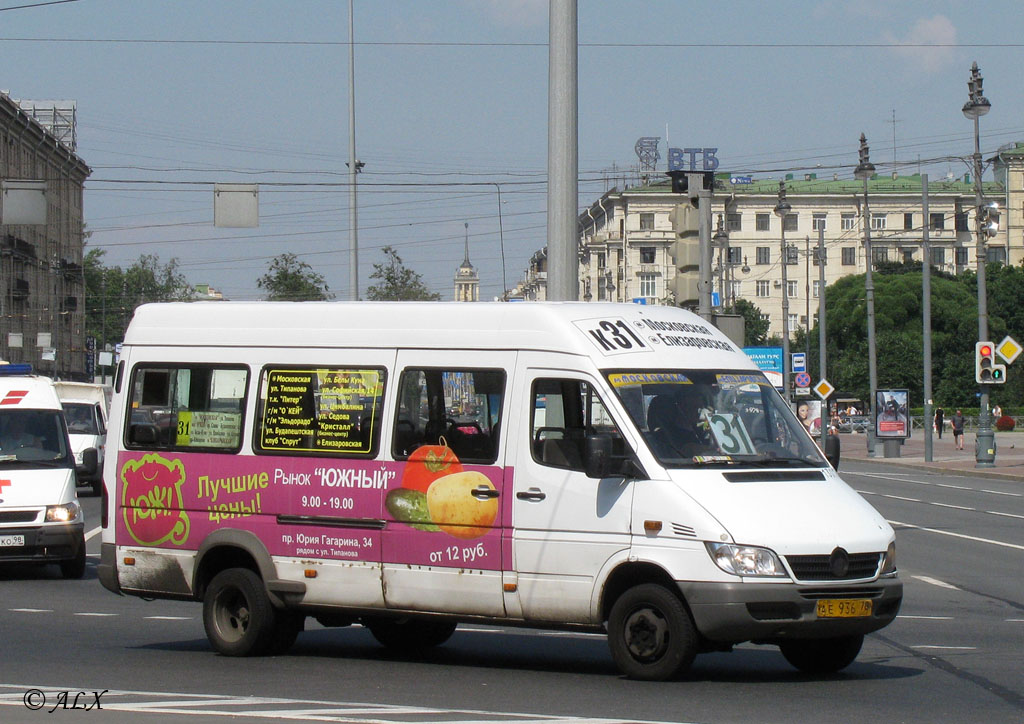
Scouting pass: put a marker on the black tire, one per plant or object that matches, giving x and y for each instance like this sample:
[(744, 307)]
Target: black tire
[(237, 614), (650, 633), (74, 568), (822, 656), (410, 634), (286, 629)]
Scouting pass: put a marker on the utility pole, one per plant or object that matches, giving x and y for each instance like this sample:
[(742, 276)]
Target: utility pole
[(563, 152), (926, 319), (353, 167), (782, 208), (865, 169), (821, 329)]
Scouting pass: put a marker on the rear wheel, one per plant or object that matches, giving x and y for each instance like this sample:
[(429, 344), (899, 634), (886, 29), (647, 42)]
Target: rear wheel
[(75, 567), (237, 614), (410, 634), (822, 656), (650, 633)]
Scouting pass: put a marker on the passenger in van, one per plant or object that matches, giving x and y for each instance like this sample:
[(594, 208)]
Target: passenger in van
[(673, 423), (17, 436)]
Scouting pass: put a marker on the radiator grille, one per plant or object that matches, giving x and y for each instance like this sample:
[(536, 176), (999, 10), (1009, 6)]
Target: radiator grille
[(819, 568)]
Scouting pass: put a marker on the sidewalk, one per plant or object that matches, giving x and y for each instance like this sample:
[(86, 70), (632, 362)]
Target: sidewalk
[(1009, 458)]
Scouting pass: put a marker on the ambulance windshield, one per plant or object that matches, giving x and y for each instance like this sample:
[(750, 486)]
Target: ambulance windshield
[(699, 417), (32, 436)]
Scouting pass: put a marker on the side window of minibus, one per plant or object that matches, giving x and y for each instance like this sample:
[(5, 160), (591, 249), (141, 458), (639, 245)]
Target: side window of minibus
[(564, 413), (451, 411), (182, 407)]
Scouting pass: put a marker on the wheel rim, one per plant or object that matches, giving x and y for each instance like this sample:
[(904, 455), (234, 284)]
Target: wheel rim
[(646, 634), (231, 615)]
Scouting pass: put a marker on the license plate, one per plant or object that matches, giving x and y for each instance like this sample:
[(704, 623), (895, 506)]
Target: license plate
[(844, 607), (11, 541)]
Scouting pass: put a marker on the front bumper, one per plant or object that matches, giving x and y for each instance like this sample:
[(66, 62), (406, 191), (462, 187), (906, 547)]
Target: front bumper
[(769, 612), (44, 544)]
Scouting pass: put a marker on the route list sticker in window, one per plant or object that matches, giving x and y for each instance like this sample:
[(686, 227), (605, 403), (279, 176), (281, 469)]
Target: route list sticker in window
[(321, 410)]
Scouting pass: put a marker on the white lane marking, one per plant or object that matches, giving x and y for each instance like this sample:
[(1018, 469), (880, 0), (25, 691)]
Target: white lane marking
[(31, 610), (958, 535), (89, 613), (92, 533), (927, 618), (183, 704), (936, 582), (948, 648), (168, 618), (1015, 620), (958, 507), (933, 484), (941, 505), (1005, 515)]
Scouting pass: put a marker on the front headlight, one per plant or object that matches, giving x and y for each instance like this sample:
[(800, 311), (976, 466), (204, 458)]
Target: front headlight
[(889, 561), (746, 560), (62, 513)]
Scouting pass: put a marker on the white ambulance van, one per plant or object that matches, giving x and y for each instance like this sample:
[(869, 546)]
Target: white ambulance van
[(40, 518), (412, 466), (85, 411)]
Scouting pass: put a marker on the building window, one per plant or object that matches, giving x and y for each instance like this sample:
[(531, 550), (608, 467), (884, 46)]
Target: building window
[(960, 221), (816, 253), (996, 255), (647, 221), (735, 254), (880, 254), (908, 254), (793, 322), (764, 255), (735, 290), (878, 222), (790, 223), (733, 222), (818, 222), (647, 254), (849, 256), (938, 256), (792, 254), (816, 288), (908, 222), (936, 222), (762, 222), (764, 288), (791, 290), (648, 285), (961, 256), (848, 222)]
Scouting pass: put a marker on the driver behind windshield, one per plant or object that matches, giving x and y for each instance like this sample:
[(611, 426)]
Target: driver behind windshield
[(674, 424)]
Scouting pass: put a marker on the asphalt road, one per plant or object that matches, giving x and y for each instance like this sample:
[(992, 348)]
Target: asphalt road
[(954, 653)]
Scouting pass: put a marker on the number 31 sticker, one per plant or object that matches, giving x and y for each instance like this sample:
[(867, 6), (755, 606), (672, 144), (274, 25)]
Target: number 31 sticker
[(612, 336), (731, 435)]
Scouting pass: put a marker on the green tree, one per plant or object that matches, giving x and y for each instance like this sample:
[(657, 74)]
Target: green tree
[(396, 282), (755, 323), (290, 280), (113, 293)]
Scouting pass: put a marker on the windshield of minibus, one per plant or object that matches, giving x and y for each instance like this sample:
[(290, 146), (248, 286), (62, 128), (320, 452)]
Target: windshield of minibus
[(703, 417), (32, 436), (81, 418)]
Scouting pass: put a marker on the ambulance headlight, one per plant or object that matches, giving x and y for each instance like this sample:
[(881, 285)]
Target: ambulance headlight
[(62, 513), (746, 560)]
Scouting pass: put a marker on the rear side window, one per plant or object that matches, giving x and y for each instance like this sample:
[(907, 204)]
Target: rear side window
[(184, 407), (319, 410)]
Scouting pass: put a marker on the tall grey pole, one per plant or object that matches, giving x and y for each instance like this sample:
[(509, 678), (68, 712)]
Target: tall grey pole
[(353, 233), (563, 158), (984, 446), (869, 296), (706, 254), (926, 319), (807, 296), (821, 329), (781, 209)]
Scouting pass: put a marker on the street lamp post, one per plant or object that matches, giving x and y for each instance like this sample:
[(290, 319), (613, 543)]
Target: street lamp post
[(721, 240), (781, 209), (865, 170), (976, 106)]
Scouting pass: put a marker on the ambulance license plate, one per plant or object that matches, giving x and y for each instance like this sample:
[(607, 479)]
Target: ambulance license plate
[(11, 541), (844, 607)]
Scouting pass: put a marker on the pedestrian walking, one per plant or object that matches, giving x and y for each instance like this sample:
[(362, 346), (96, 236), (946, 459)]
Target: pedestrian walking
[(832, 446), (939, 421), (957, 422)]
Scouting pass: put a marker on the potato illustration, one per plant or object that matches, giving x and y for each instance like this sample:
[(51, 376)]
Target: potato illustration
[(454, 508)]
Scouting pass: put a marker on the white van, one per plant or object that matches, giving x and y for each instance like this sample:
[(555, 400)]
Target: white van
[(85, 411), (411, 466), (40, 518)]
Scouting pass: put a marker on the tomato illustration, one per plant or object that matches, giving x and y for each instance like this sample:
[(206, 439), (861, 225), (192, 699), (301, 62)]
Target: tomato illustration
[(426, 464)]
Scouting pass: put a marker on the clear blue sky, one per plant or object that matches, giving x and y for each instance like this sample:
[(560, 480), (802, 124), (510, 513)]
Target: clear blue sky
[(452, 97)]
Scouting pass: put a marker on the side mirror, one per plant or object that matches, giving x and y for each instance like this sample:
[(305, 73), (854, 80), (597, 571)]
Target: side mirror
[(90, 460), (598, 456), (143, 434)]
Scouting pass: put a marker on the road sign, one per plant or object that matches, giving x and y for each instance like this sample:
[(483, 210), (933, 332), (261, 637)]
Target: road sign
[(802, 379), (1008, 349), (823, 389), (799, 361)]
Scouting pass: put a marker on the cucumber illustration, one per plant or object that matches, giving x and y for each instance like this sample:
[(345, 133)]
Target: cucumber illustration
[(409, 507)]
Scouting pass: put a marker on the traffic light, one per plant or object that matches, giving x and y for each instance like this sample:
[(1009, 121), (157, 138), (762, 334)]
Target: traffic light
[(685, 253), (986, 371), (990, 219)]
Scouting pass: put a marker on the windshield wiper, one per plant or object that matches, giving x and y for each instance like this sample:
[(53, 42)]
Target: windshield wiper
[(760, 460)]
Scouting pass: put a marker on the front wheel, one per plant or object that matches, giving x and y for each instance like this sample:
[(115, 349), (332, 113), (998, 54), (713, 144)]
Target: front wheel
[(75, 567), (822, 656), (237, 614), (650, 633)]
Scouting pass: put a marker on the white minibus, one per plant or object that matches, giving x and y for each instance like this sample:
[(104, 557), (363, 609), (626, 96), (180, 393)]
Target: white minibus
[(412, 466)]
